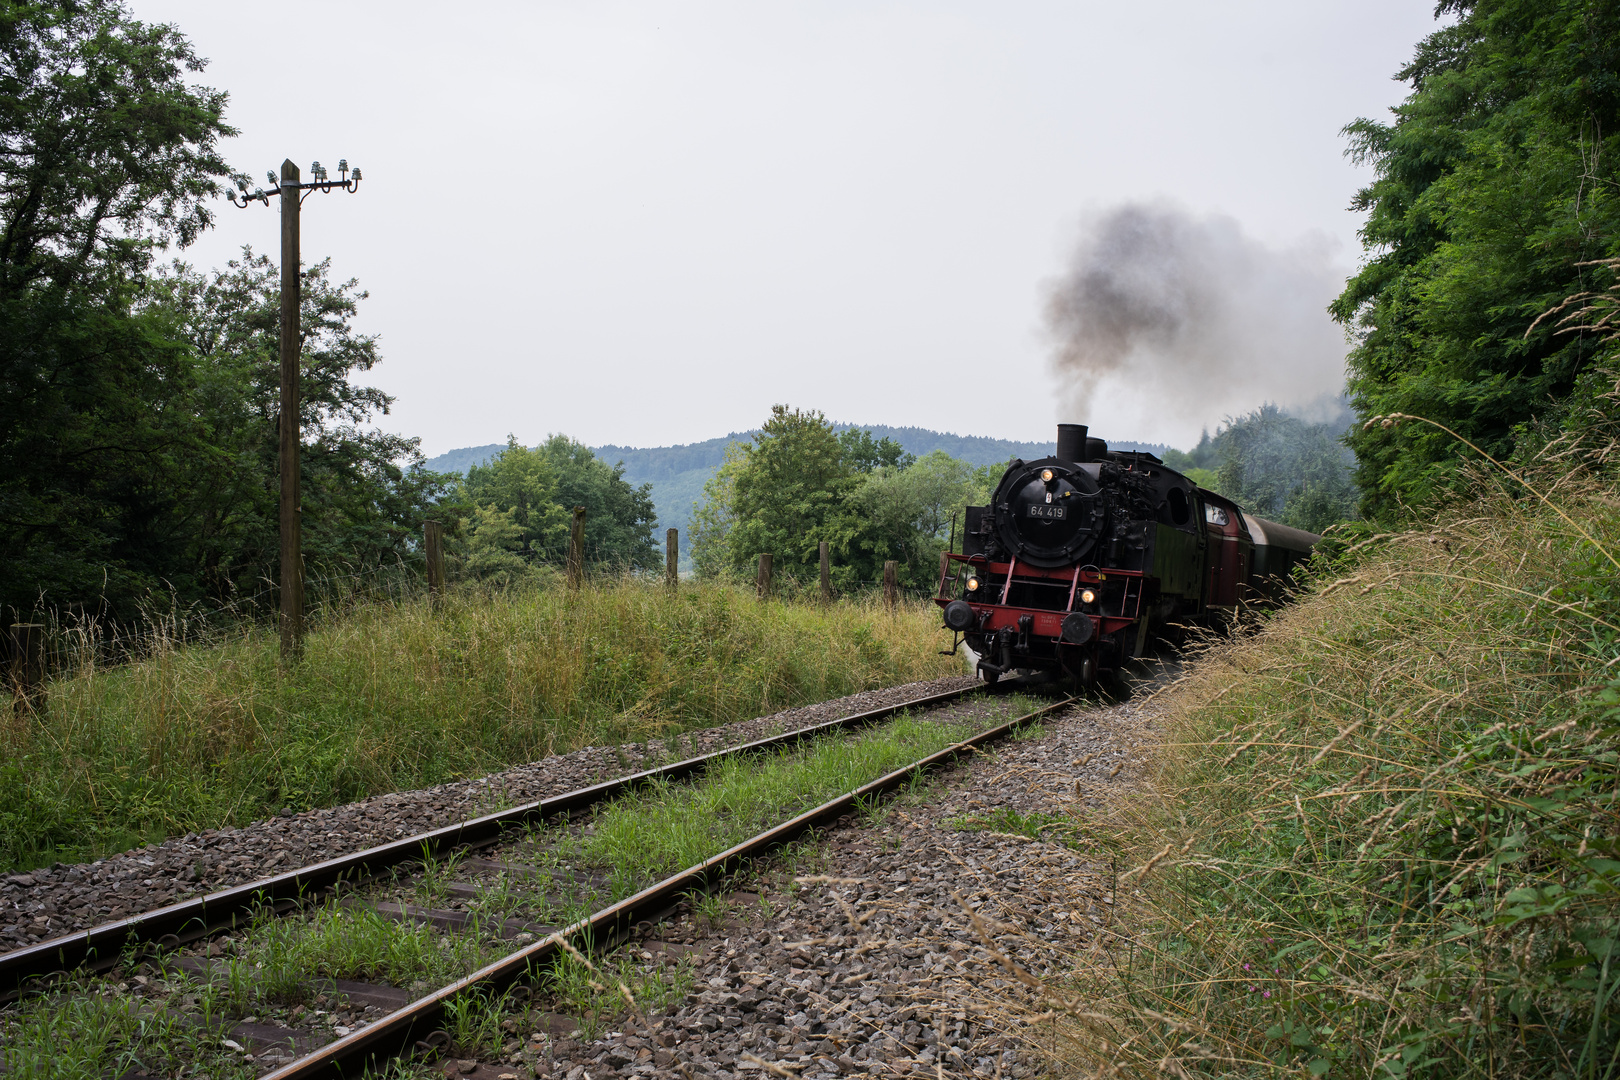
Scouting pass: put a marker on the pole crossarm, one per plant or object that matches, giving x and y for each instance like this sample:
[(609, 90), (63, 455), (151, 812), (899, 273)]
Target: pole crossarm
[(322, 183)]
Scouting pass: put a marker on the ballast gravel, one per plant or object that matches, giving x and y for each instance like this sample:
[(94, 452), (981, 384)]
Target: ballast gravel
[(877, 961), (48, 903)]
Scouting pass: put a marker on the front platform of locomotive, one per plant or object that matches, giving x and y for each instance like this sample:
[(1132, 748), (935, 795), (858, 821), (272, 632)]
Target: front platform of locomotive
[(1029, 591)]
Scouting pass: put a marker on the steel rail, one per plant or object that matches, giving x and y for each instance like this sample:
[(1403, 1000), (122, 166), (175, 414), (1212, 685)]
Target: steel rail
[(101, 947), (399, 1032)]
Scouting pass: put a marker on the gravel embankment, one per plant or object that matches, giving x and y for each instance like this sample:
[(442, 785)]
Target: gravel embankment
[(47, 903), (874, 967)]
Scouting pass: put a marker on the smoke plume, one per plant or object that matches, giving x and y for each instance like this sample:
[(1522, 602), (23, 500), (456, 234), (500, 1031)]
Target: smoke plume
[(1176, 321)]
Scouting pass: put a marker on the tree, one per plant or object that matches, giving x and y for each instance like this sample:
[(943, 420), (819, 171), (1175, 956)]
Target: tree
[(908, 512), (365, 492), (517, 490), (539, 488), (619, 519), (712, 520), (865, 454), (788, 495), (1495, 181), (1280, 467), (106, 153)]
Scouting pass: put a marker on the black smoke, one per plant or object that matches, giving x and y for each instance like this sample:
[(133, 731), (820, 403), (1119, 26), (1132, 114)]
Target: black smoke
[(1164, 310)]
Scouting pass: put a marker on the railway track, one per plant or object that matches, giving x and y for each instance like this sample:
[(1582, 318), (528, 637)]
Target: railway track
[(495, 851)]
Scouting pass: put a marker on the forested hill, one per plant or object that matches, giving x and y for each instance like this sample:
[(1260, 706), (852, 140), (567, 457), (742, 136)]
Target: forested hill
[(678, 473)]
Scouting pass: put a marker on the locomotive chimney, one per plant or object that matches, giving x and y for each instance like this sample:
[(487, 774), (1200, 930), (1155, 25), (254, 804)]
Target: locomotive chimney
[(1071, 443)]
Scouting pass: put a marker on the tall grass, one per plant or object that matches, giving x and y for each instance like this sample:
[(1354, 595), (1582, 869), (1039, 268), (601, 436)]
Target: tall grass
[(401, 693), (1382, 836)]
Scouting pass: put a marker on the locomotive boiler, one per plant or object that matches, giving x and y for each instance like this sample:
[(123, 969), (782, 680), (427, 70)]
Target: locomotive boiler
[(1081, 558)]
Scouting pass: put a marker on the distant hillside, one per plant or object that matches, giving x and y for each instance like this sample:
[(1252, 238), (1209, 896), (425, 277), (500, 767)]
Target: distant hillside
[(677, 473)]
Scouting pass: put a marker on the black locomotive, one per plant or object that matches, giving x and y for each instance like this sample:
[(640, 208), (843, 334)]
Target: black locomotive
[(1083, 556)]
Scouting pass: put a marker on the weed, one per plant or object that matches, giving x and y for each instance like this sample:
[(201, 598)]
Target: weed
[(76, 1035), (1004, 819), (436, 875), (334, 942), (596, 991), (711, 907), (473, 1022)]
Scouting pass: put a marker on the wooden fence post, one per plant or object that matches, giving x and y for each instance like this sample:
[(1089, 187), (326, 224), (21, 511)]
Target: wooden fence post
[(576, 550), (28, 667), (762, 583), (826, 572), (672, 557), (433, 548), (891, 587)]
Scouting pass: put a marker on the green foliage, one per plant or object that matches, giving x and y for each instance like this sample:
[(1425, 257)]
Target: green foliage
[(1494, 183), (865, 454), (1277, 466), (138, 408), (109, 153), (906, 513), (360, 506), (710, 525), (799, 484), (789, 494), (73, 1035), (1285, 469), (619, 519), (525, 499), (518, 521)]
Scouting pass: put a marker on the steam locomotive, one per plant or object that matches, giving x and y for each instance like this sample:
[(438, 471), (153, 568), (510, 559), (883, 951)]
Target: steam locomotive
[(1082, 557)]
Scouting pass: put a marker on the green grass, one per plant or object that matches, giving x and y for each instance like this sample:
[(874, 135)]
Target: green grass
[(650, 835), (1004, 819), (281, 956), (399, 694), (76, 1035), (1383, 837)]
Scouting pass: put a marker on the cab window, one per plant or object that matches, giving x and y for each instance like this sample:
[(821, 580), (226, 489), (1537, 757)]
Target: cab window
[(1216, 515)]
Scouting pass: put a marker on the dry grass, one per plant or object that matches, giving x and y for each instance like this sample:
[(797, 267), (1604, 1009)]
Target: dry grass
[(1380, 838), (401, 694)]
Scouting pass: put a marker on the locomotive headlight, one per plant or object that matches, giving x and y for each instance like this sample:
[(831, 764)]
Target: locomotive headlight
[(1087, 596), (972, 584), (1046, 475)]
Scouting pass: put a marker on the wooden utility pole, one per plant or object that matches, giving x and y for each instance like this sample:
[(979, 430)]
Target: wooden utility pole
[(290, 189), (672, 557), (762, 583), (576, 550), (28, 667), (292, 539), (433, 548), (891, 585), (826, 572)]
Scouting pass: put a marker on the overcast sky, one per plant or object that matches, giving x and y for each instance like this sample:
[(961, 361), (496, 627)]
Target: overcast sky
[(645, 223)]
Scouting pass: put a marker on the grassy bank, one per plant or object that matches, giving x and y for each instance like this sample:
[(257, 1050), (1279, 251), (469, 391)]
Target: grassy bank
[(397, 695), (1382, 839)]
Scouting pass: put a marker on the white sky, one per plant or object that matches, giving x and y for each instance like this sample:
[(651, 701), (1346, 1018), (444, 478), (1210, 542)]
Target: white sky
[(645, 223)]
